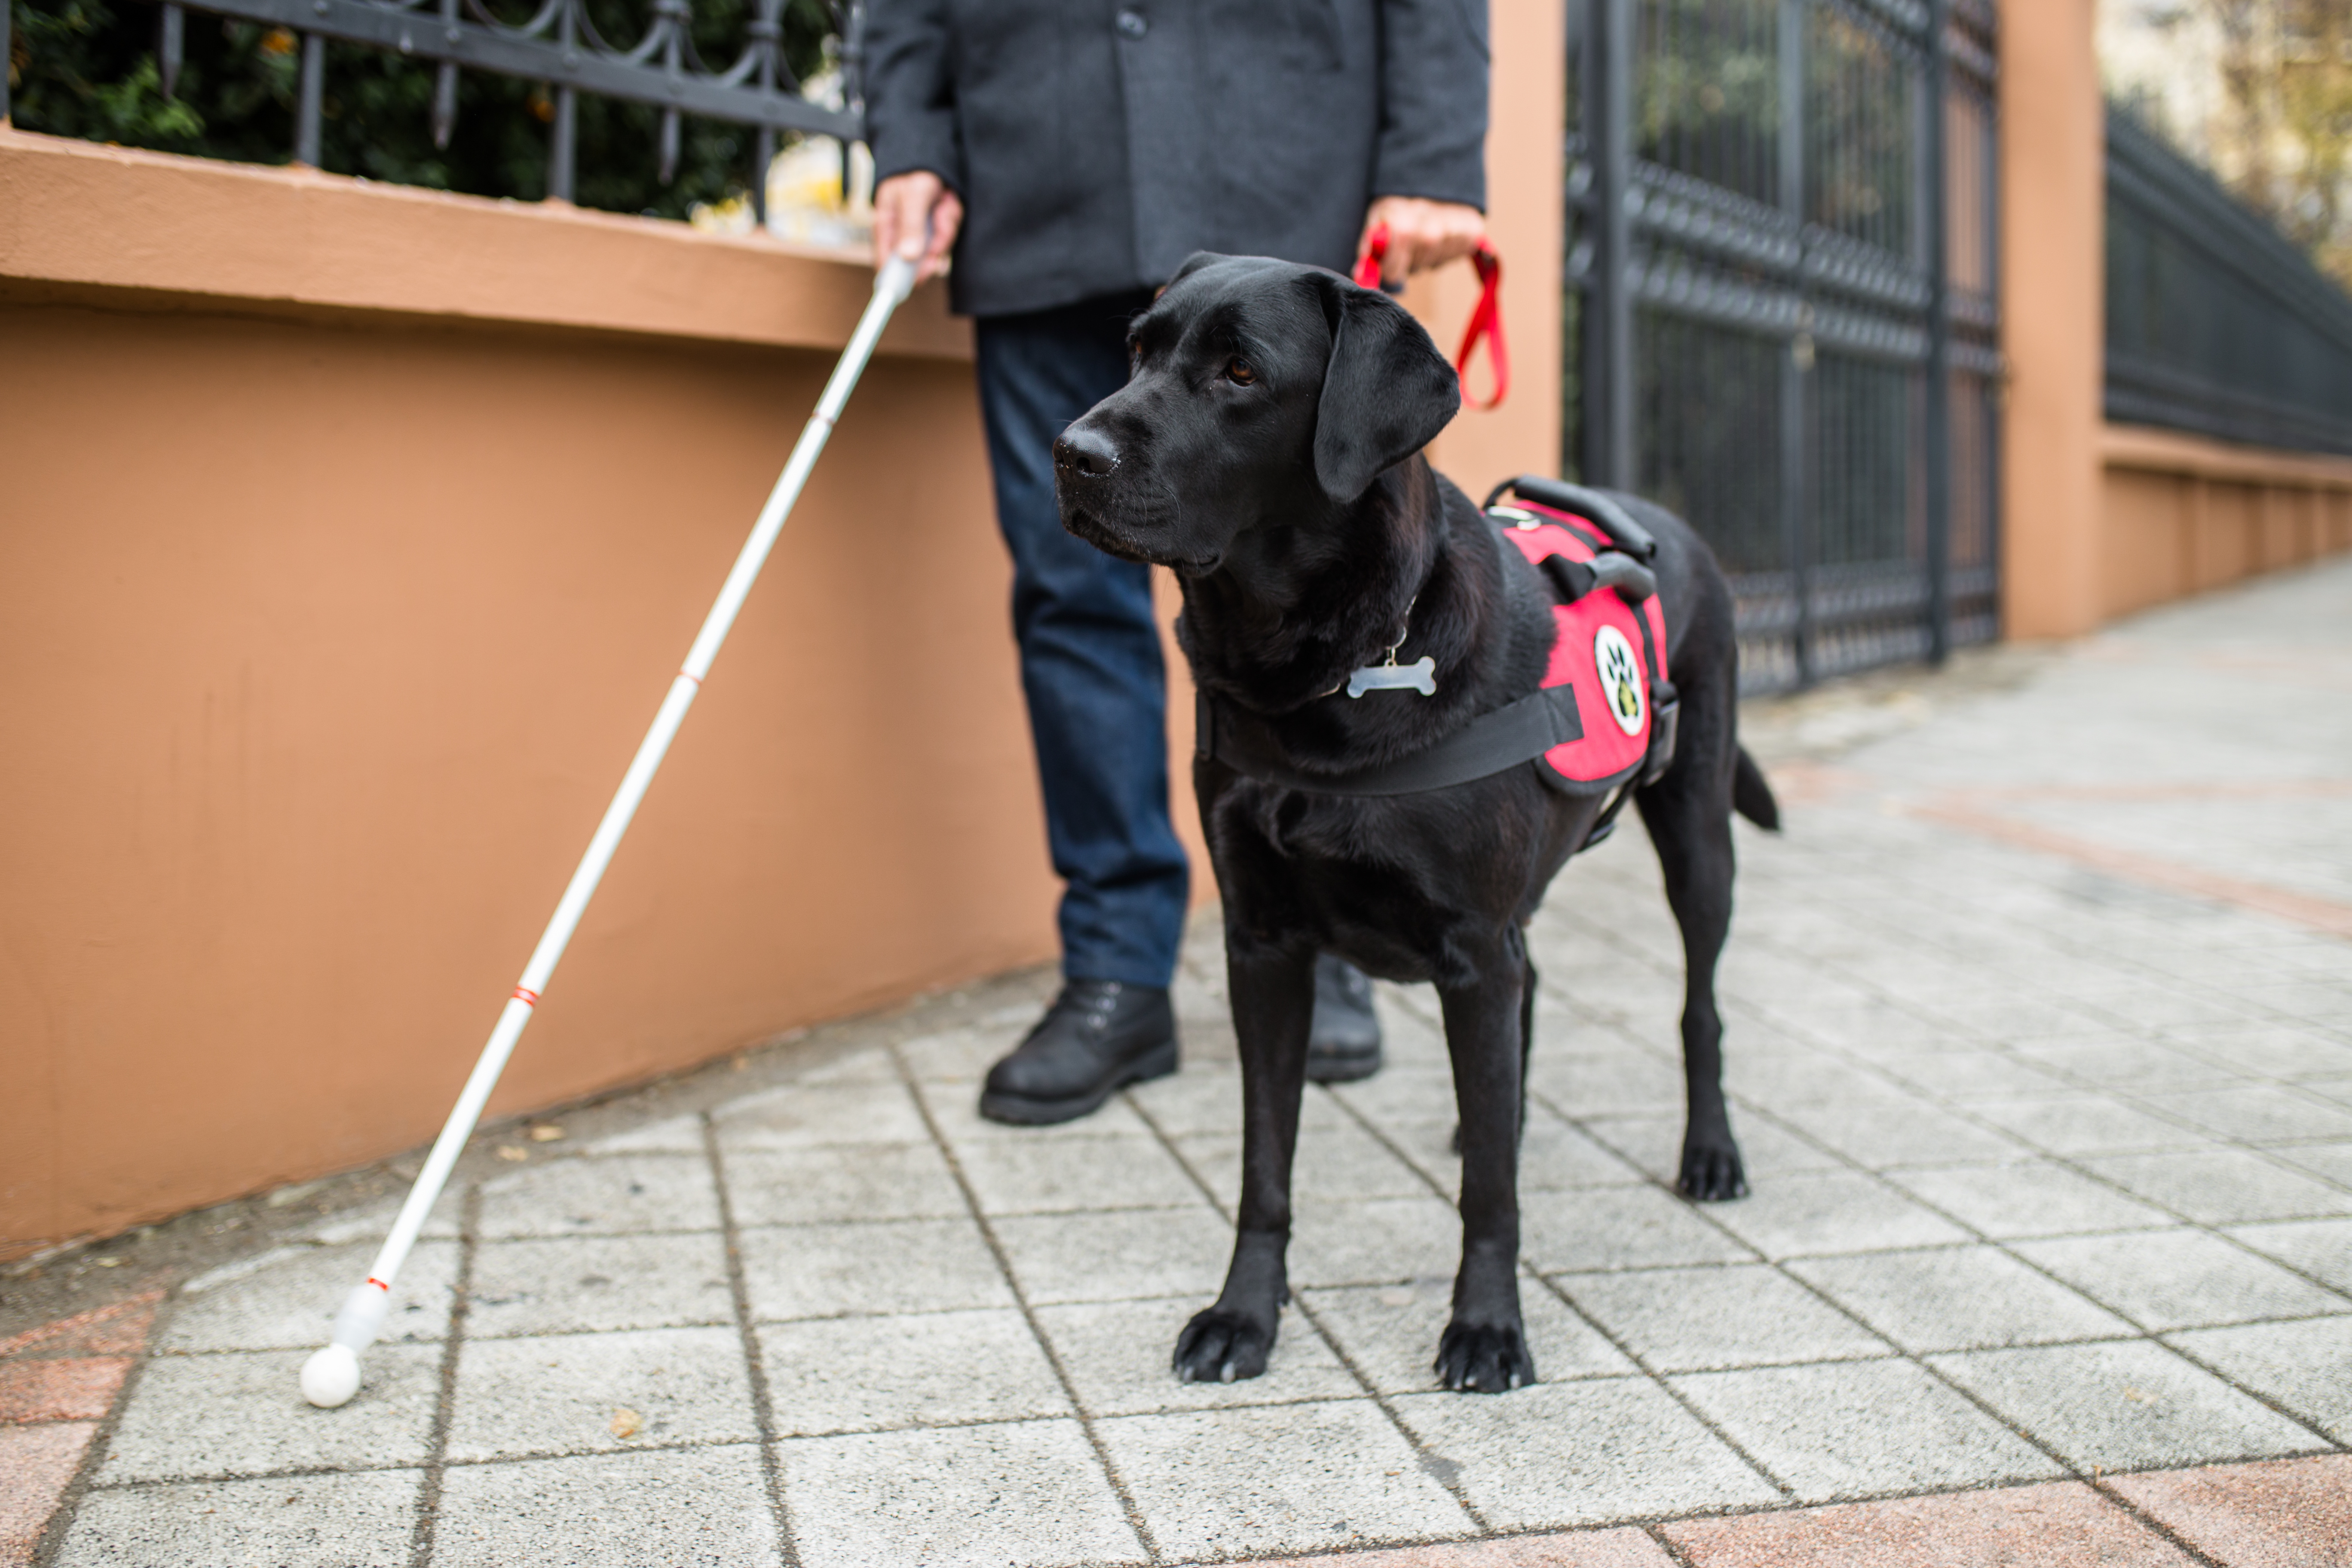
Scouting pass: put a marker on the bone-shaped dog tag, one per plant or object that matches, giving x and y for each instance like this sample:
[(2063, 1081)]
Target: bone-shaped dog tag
[(1420, 676)]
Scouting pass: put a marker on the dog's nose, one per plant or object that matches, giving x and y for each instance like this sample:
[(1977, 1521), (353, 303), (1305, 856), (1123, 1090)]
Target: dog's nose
[(1085, 453)]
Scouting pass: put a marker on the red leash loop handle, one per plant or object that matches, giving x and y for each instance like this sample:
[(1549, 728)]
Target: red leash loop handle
[(1486, 321), (1486, 317)]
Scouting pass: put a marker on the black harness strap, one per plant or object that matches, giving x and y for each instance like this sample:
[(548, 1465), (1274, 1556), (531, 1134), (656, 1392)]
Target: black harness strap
[(1489, 744)]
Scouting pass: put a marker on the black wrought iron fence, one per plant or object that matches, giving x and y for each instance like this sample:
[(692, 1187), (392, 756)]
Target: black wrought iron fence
[(2215, 324), (559, 46), (1783, 307)]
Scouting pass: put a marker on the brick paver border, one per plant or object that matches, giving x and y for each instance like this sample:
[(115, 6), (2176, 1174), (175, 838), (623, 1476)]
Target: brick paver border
[(57, 1382), (2279, 1513), (2323, 915)]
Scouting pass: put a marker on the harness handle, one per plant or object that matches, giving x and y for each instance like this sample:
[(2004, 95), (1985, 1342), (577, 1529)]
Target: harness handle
[(1486, 317)]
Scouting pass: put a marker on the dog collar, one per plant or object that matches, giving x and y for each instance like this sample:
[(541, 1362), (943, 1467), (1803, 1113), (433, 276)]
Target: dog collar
[(1387, 675)]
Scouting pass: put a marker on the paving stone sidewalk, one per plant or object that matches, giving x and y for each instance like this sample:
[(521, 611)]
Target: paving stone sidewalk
[(2039, 1033)]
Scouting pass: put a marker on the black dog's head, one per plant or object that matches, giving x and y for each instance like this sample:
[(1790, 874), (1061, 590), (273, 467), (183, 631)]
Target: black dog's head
[(1261, 391)]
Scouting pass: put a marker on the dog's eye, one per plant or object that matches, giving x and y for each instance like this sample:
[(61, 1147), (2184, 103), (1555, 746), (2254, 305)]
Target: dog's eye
[(1241, 373)]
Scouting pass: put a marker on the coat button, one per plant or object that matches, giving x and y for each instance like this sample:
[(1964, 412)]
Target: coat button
[(1132, 24)]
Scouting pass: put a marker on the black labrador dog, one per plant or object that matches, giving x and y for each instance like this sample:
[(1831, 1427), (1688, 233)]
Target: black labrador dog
[(1268, 447)]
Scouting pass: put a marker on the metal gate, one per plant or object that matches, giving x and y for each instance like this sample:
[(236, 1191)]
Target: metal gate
[(1783, 308)]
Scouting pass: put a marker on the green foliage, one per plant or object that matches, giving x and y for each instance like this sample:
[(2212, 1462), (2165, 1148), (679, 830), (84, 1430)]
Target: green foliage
[(1707, 104), (1707, 92), (88, 68)]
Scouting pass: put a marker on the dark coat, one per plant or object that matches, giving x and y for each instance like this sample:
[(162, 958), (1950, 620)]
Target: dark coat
[(1097, 143)]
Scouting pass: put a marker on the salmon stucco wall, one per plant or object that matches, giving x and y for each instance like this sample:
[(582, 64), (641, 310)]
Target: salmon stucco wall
[(322, 668), (2181, 515), (326, 631)]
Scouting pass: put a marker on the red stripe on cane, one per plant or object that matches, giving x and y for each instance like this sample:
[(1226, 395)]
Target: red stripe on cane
[(691, 676), (1486, 321), (379, 1284), (526, 996)]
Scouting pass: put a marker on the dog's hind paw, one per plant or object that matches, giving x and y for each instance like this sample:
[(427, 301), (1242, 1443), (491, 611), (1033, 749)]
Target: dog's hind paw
[(1220, 1347), (1711, 1172), (1484, 1358)]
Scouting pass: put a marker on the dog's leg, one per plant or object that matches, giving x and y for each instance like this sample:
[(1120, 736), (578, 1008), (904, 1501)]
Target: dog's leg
[(1688, 814), (1527, 1033), (1273, 1003), (1527, 1044), (1484, 1348)]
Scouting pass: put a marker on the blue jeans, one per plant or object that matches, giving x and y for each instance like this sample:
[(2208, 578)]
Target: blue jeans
[(1090, 661)]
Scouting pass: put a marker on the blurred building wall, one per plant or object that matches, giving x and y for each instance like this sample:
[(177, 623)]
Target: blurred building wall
[(2100, 519)]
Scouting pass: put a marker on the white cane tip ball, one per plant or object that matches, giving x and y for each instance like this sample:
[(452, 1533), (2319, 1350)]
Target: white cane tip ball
[(331, 1377)]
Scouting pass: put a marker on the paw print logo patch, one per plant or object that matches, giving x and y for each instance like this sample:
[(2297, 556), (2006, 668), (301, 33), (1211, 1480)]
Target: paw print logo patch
[(1621, 677)]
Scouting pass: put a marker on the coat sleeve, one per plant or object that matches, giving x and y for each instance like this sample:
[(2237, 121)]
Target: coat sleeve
[(1433, 138), (910, 109)]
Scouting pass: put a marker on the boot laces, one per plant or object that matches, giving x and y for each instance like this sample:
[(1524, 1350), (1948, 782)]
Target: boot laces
[(1094, 1002)]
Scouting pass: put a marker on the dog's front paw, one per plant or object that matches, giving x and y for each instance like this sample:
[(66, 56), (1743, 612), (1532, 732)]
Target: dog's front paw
[(1483, 1358), (1711, 1171), (1220, 1347)]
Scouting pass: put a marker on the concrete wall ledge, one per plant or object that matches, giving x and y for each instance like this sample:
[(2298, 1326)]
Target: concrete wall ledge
[(2146, 450), (157, 231)]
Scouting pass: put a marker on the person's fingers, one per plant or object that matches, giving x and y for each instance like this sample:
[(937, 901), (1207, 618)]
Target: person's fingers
[(1421, 234), (914, 204), (886, 227), (1469, 230), (1448, 234), (900, 203), (916, 218), (1438, 249), (946, 220), (1416, 249)]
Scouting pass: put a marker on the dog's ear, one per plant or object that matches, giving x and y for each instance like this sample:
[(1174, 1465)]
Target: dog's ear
[(1386, 391)]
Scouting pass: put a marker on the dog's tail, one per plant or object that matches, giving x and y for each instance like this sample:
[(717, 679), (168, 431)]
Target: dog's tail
[(1751, 796)]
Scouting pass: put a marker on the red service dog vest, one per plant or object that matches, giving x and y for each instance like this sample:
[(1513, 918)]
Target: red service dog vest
[(1603, 717), (1610, 652)]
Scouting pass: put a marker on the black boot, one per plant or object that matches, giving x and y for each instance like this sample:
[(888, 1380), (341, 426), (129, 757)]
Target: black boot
[(1343, 1044), (1098, 1037)]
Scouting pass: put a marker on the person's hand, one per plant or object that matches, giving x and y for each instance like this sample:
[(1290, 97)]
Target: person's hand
[(905, 207), (1421, 234)]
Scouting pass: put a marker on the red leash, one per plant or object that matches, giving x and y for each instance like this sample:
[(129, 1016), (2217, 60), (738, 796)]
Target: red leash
[(1486, 317), (1376, 250), (1486, 321)]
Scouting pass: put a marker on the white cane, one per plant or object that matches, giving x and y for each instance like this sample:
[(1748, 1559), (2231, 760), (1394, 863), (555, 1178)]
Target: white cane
[(332, 1376)]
